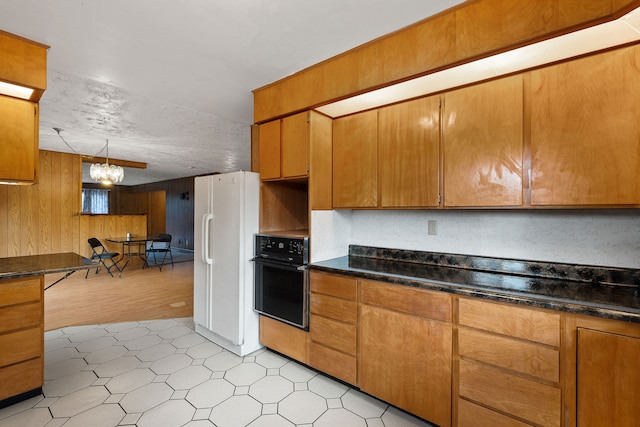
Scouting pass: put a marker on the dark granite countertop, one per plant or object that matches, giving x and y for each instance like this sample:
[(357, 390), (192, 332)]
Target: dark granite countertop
[(35, 265), (591, 290)]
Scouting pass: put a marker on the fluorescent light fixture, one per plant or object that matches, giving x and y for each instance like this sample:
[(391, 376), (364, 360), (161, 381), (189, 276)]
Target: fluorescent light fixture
[(610, 34), (15, 90)]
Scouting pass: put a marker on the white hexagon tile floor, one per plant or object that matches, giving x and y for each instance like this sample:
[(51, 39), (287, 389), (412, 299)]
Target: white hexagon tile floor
[(162, 373)]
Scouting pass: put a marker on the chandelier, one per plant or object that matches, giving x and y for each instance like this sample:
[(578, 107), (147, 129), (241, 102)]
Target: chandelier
[(106, 174)]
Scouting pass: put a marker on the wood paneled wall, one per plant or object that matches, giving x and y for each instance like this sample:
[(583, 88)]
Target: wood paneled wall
[(151, 203), (104, 226), (43, 218), (178, 207)]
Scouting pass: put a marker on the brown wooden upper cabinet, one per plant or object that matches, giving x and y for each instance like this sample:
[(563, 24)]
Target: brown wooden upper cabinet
[(24, 62), (585, 131), (284, 147), (355, 160), (409, 153), (483, 144), (18, 140)]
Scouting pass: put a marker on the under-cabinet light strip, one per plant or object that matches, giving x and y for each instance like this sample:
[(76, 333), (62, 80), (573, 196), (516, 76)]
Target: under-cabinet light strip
[(614, 33)]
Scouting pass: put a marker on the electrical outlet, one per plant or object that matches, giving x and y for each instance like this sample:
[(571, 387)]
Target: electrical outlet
[(432, 227)]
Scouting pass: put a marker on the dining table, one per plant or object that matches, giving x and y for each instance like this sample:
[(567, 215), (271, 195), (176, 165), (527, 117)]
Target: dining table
[(132, 246)]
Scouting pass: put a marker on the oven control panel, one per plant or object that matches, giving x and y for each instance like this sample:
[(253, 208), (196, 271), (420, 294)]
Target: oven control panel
[(288, 249)]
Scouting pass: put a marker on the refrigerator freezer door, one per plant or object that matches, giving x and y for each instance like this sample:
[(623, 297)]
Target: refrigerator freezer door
[(201, 211), (226, 217), (224, 248)]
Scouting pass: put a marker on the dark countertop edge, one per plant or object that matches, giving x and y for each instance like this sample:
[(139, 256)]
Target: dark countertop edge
[(17, 275), (512, 297), (65, 262)]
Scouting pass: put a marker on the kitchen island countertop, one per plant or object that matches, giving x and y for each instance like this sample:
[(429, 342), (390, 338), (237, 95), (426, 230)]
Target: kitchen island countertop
[(35, 265), (590, 290)]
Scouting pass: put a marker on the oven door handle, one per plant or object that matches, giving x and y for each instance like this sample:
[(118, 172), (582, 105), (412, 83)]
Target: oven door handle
[(278, 264)]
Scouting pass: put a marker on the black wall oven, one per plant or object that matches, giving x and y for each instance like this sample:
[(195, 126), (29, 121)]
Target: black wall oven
[(282, 278)]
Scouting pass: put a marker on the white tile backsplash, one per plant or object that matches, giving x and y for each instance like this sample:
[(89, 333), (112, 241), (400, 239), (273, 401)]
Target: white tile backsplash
[(607, 237)]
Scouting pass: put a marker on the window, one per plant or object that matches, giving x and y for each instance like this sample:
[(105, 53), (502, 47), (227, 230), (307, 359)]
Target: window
[(95, 201)]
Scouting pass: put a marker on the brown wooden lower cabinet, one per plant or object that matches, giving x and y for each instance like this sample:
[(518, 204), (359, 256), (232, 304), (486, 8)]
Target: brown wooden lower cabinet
[(508, 364), (465, 361), (608, 379), (333, 325), (283, 338), (333, 362), (470, 414), (510, 394), (21, 336), (405, 359)]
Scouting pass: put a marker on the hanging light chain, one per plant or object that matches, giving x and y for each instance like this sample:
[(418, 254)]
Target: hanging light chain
[(105, 174), (58, 130)]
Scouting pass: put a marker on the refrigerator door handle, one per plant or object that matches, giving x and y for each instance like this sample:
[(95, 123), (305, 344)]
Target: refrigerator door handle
[(206, 220)]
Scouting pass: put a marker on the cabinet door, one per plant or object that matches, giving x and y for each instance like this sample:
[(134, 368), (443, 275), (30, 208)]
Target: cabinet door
[(608, 379), (269, 141), (409, 150), (320, 161), (355, 161), (585, 131), (483, 144), (406, 361), (18, 140), (295, 145)]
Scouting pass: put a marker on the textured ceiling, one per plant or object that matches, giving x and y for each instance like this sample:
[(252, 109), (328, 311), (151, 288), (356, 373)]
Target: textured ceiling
[(169, 82)]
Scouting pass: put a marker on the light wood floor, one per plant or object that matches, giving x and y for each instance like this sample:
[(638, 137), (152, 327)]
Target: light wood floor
[(138, 295)]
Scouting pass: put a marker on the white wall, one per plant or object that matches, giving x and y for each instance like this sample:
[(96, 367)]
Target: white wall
[(596, 237)]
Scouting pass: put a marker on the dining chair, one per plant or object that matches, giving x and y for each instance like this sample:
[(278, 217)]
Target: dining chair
[(101, 254), (160, 246)]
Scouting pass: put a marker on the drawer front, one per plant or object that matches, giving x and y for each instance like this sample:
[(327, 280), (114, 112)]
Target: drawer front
[(432, 305), (20, 378), (337, 335), (16, 291), (283, 338), (522, 398), (333, 362), (529, 324), (472, 415), (334, 285), (520, 356), (334, 308), (20, 346), (21, 316)]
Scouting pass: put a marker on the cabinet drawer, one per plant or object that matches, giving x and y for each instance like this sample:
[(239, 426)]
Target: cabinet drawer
[(334, 308), (337, 335), (529, 324), (520, 356), (21, 377), (334, 285), (522, 398), (16, 291), (21, 345), (472, 415), (283, 338), (333, 362), (21, 316), (432, 305)]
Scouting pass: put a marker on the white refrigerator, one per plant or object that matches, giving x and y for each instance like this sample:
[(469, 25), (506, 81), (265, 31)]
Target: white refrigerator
[(226, 214)]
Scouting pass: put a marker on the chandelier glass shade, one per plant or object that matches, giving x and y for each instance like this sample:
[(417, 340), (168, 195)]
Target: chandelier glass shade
[(106, 174)]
